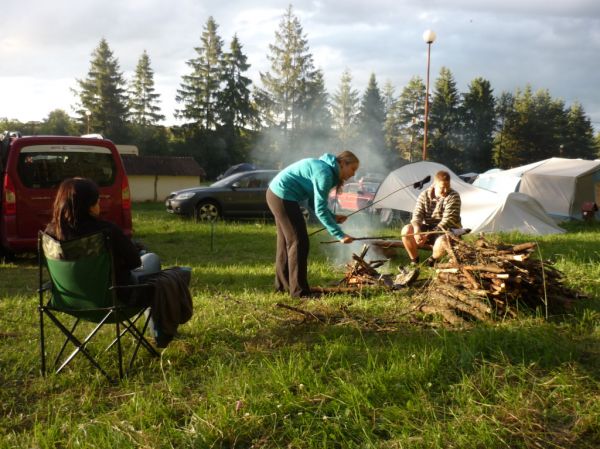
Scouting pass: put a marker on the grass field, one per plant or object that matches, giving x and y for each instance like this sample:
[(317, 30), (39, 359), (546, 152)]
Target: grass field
[(244, 373)]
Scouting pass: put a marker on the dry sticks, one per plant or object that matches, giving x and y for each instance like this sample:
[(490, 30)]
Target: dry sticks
[(485, 282), (364, 273)]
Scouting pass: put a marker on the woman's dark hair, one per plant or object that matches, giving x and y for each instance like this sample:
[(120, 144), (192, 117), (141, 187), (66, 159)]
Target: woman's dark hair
[(348, 157), (72, 204)]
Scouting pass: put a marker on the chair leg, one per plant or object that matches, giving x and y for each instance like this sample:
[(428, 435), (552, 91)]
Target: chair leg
[(119, 348), (64, 346), (129, 326), (42, 342), (141, 340), (135, 332), (139, 335), (80, 346)]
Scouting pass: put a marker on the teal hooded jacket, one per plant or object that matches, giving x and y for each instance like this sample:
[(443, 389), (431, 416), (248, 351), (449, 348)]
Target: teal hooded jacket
[(310, 179)]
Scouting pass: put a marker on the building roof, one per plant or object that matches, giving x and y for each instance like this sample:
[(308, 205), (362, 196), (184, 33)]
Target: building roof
[(162, 165)]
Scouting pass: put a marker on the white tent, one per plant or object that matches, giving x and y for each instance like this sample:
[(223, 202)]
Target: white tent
[(560, 185), (522, 213), (482, 210), (499, 181)]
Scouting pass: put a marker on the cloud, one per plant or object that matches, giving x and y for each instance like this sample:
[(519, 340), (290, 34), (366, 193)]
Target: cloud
[(553, 45)]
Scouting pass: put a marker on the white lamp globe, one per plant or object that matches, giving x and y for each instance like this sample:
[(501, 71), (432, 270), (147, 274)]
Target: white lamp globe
[(429, 36)]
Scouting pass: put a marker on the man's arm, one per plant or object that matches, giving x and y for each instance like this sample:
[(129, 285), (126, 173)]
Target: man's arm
[(418, 215)]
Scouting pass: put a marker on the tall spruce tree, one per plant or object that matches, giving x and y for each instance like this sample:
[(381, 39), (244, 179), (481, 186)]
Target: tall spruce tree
[(200, 89), (388, 96), (578, 140), (143, 99), (518, 147), (371, 121), (103, 94), (549, 120), (235, 109), (389, 130), (478, 122), (534, 127), (506, 118), (285, 87), (444, 122), (405, 120), (234, 106), (345, 107), (315, 130)]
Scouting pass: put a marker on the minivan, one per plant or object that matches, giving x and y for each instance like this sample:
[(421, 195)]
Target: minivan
[(33, 167)]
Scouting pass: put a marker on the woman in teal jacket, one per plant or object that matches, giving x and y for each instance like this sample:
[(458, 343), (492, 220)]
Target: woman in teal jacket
[(308, 179)]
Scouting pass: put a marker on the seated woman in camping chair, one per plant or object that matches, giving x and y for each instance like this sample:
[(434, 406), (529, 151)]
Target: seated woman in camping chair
[(436, 212), (76, 213)]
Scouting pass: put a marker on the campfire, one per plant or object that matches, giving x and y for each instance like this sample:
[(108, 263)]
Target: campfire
[(480, 281), (363, 272)]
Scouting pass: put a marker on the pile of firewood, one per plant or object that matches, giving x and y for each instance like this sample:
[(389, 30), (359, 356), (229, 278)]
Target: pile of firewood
[(485, 282)]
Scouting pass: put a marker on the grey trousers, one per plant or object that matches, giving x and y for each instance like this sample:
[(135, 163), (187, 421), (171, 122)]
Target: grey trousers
[(291, 259), (150, 265)]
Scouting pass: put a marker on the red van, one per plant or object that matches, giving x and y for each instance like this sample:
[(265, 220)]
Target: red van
[(32, 168)]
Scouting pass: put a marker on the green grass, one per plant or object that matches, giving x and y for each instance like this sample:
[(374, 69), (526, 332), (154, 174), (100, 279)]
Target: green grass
[(245, 373)]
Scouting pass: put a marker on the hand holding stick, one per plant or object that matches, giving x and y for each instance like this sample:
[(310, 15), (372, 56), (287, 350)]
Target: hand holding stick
[(363, 238)]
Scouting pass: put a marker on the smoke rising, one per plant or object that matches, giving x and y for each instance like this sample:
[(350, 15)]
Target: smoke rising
[(278, 149)]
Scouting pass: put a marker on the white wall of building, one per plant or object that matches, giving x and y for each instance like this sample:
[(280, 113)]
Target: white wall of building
[(156, 188)]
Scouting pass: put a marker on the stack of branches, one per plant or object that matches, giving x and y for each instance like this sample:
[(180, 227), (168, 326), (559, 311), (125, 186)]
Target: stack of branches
[(483, 281), (364, 273)]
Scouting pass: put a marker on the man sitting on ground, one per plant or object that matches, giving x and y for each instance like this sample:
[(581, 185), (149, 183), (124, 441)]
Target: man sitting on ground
[(437, 210)]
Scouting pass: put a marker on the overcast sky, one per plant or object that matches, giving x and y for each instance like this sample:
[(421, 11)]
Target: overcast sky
[(46, 45)]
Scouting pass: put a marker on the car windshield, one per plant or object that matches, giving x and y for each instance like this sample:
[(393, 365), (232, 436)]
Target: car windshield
[(247, 180), (226, 181), (45, 167), (370, 187)]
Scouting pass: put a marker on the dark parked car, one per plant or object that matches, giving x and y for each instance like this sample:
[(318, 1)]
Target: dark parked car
[(241, 195)]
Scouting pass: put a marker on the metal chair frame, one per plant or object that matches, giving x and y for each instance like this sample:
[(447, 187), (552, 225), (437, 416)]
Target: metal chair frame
[(118, 314)]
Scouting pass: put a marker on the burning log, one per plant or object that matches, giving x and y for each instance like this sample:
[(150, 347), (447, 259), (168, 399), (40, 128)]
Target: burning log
[(362, 272)]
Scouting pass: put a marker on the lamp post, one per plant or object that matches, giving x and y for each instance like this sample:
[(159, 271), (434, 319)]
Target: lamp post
[(88, 113), (429, 37)]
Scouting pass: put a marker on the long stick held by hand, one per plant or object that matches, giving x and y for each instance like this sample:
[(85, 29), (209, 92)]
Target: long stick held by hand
[(388, 238), (417, 185)]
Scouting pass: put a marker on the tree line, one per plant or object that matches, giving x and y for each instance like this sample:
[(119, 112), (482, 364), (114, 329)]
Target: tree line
[(227, 119)]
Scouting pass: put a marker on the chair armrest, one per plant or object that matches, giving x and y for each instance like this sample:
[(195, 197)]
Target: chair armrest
[(45, 287), (130, 286)]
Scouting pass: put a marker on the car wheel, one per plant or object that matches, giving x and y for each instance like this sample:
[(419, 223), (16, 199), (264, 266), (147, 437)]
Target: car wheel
[(207, 211)]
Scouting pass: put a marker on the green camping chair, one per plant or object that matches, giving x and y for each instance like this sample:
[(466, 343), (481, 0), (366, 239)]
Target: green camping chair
[(82, 285)]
